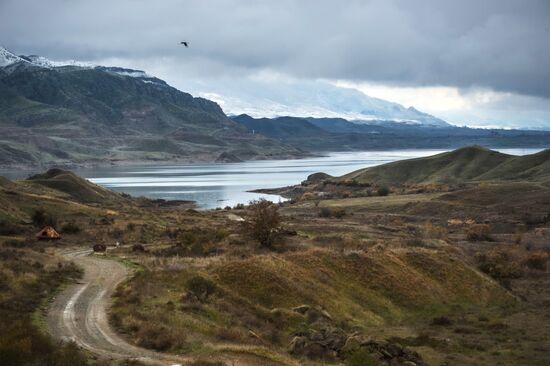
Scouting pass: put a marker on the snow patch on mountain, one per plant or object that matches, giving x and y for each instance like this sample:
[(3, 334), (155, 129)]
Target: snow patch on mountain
[(259, 98), (8, 58)]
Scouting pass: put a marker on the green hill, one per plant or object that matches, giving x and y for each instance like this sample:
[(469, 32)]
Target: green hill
[(76, 187), (472, 163)]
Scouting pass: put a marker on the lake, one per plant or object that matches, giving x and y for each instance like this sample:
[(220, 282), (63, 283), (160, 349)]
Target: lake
[(226, 184)]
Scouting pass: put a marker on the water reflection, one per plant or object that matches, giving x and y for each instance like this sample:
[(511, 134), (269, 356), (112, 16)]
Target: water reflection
[(219, 185)]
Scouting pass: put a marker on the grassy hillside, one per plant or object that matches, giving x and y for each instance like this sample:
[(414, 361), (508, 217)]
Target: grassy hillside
[(467, 164), (78, 188)]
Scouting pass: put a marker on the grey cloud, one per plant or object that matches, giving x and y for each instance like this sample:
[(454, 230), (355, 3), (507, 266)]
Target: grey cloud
[(500, 44)]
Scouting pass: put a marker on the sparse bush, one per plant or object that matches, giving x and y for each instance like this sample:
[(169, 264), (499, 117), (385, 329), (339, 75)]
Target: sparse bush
[(325, 212), (441, 321), (41, 218), (130, 226), (537, 260), (362, 357), (263, 221), (336, 212), (478, 232), (229, 334), (70, 227), (201, 287), (502, 265), (154, 337), (383, 191), (308, 196), (116, 233), (435, 232)]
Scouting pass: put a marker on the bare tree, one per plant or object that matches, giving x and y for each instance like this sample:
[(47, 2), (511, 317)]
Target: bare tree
[(263, 221)]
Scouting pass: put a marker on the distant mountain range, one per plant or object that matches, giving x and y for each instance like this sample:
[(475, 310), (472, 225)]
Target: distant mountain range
[(315, 99), (338, 134), (65, 113)]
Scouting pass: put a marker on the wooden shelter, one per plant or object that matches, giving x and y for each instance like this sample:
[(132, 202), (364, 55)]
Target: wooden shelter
[(48, 233)]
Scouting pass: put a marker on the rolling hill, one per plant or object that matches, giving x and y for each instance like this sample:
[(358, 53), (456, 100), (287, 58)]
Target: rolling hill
[(472, 163)]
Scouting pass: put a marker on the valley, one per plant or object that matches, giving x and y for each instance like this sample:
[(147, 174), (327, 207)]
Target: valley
[(442, 267)]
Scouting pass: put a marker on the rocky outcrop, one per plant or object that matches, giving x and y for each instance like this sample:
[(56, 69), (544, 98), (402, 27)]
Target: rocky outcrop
[(332, 343), (324, 341)]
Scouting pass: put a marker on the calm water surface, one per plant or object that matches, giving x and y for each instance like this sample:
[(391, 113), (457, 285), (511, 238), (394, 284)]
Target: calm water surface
[(226, 184)]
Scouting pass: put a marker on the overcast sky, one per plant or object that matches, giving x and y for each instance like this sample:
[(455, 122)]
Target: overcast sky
[(482, 63)]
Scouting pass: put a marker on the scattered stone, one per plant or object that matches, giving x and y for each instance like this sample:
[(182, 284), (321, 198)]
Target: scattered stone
[(302, 309)]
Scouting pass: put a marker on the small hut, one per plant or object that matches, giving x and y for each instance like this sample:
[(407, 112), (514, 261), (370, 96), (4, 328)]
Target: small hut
[(48, 233)]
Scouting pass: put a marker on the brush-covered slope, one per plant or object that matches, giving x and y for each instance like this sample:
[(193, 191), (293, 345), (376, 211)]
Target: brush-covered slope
[(52, 113), (76, 187), (281, 127), (472, 163)]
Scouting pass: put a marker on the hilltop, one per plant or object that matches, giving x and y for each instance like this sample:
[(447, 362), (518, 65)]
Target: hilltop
[(472, 163)]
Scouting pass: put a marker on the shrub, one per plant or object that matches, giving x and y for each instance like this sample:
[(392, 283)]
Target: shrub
[(478, 232), (229, 334), (201, 287), (263, 221), (239, 206), (502, 265), (336, 212), (130, 226), (383, 191), (70, 227), (362, 357), (441, 321), (434, 231), (325, 212), (153, 337), (537, 260), (308, 196), (41, 218)]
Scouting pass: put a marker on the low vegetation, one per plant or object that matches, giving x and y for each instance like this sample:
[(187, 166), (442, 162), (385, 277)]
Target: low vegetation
[(429, 275)]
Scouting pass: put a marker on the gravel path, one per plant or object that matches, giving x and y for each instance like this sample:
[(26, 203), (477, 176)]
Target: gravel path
[(79, 313)]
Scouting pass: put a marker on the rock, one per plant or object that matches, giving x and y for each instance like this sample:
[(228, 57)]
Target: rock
[(317, 177), (226, 157), (302, 309), (326, 315)]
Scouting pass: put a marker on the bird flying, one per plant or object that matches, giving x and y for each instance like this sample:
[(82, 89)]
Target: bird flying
[(185, 43)]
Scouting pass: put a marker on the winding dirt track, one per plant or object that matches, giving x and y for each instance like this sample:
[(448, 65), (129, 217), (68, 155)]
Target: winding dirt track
[(79, 313)]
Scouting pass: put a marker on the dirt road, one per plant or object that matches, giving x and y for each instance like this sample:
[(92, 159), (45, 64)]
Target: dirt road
[(79, 313)]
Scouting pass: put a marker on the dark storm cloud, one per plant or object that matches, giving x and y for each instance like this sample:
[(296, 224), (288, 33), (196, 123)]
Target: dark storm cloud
[(500, 44)]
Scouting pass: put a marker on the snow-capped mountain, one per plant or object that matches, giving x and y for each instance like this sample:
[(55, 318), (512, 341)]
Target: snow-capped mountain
[(264, 98), (8, 59)]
